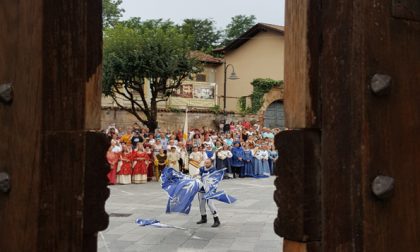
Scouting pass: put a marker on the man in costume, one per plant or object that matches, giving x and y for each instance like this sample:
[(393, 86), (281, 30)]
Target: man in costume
[(206, 170)]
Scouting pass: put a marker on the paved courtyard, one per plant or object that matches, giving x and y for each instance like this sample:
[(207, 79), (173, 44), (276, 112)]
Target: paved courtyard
[(247, 225)]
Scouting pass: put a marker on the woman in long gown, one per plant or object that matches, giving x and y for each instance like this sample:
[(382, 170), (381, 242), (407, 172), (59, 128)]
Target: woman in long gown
[(261, 168), (273, 155), (140, 165), (112, 158), (248, 162), (150, 165), (195, 161), (124, 174), (237, 163), (161, 160), (173, 158), (265, 156), (183, 160), (223, 160)]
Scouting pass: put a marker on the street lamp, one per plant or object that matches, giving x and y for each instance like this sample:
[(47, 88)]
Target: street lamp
[(232, 76)]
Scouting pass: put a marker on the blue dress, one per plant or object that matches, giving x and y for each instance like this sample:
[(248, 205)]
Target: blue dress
[(261, 166), (248, 170), (273, 155), (237, 152)]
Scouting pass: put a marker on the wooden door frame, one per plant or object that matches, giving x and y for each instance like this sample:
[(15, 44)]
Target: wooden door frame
[(344, 131), (51, 53)]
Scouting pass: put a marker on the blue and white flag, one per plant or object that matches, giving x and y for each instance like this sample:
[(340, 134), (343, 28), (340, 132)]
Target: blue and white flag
[(210, 183), (182, 189), (154, 223)]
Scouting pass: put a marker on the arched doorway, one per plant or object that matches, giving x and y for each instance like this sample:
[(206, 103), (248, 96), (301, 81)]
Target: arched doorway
[(274, 115)]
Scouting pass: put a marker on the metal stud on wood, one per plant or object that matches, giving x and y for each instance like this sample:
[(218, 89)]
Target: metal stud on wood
[(383, 186), (380, 84), (6, 93), (4, 182)]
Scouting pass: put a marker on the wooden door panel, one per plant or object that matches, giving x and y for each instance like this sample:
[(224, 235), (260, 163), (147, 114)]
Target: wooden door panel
[(53, 64), (393, 126), (20, 122)]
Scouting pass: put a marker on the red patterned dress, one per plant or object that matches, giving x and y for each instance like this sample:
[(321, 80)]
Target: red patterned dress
[(124, 173), (140, 167), (112, 158)]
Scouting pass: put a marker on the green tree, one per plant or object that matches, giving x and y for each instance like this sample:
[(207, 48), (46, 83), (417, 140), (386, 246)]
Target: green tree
[(203, 33), (153, 52), (111, 12), (238, 25)]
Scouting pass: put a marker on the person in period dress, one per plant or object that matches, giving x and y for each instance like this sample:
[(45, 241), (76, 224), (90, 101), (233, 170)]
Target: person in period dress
[(150, 164), (183, 160), (228, 140), (157, 146), (203, 171), (272, 158), (124, 173), (195, 161), (237, 163), (248, 162), (173, 158), (257, 161), (161, 160), (196, 142), (265, 156), (223, 160), (208, 141), (261, 168), (209, 153), (112, 158), (140, 164)]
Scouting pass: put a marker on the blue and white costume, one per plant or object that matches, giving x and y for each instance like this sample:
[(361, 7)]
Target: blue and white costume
[(261, 166), (202, 201)]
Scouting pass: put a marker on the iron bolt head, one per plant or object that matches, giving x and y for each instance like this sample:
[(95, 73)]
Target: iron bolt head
[(4, 182), (6, 93), (380, 84), (383, 186)]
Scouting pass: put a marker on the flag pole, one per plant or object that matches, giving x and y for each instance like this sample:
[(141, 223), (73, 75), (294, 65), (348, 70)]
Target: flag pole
[(185, 133)]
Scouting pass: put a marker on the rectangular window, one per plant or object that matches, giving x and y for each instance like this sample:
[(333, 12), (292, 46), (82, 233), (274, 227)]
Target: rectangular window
[(200, 77)]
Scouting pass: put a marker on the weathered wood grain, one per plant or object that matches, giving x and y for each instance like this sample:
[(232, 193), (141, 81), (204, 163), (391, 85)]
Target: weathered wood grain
[(302, 39), (96, 190), (20, 122), (392, 129), (298, 189), (51, 52), (342, 78)]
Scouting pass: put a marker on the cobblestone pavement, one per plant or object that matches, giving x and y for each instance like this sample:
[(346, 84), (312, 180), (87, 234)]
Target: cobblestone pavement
[(247, 225)]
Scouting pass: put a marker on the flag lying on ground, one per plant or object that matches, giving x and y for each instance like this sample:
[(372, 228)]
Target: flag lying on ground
[(154, 223), (182, 189)]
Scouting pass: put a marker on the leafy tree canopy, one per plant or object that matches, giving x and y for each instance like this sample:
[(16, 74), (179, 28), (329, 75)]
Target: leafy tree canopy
[(203, 33), (111, 12), (136, 51), (238, 25)]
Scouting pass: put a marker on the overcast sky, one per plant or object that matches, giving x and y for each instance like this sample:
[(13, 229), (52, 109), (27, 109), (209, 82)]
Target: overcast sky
[(221, 11)]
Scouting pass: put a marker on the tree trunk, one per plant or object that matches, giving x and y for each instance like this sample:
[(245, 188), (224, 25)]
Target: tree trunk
[(152, 125)]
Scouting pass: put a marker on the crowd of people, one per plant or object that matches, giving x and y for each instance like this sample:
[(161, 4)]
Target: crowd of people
[(243, 149)]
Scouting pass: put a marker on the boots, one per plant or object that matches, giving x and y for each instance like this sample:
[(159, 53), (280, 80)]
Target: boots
[(203, 219), (216, 222)]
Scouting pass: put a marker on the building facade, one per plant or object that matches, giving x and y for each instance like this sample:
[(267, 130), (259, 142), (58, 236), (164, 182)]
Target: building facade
[(258, 53)]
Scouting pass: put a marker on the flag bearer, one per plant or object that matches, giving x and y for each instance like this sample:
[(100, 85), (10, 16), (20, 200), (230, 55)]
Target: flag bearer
[(205, 170)]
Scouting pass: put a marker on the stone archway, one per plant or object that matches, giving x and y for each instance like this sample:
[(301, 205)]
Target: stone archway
[(275, 94)]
